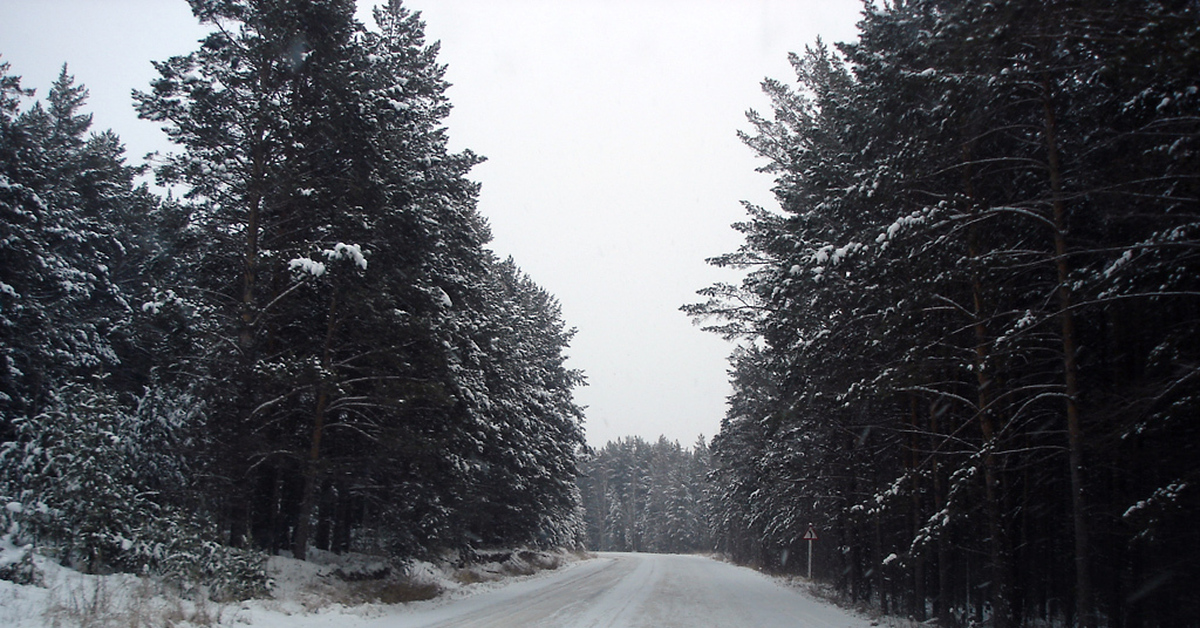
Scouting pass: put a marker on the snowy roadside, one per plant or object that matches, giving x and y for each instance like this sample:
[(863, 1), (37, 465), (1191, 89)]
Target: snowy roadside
[(825, 593), (328, 589)]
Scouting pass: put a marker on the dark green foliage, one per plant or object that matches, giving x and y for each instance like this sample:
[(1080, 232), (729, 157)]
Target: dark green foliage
[(91, 483), (358, 344), (972, 328), (522, 480), (62, 249), (305, 344), (92, 466)]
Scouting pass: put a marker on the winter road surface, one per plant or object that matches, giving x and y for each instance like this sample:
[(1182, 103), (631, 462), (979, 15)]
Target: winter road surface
[(618, 590)]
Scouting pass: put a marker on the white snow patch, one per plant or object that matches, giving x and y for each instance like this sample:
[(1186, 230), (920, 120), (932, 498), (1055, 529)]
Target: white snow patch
[(327, 590), (347, 251), (1161, 497), (1118, 263), (306, 265), (1026, 320), (443, 298)]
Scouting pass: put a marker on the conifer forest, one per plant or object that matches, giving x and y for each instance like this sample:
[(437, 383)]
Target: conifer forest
[(305, 343), (970, 332), (965, 344)]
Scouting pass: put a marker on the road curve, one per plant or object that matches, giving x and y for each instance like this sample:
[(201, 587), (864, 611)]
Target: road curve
[(618, 590)]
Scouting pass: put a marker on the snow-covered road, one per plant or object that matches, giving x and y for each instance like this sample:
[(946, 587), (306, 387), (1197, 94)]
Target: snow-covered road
[(618, 590)]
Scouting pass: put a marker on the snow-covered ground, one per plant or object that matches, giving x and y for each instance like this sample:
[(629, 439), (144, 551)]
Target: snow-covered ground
[(610, 589), (328, 590)]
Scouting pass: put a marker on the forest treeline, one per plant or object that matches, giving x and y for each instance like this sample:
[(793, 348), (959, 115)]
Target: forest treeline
[(969, 336), (303, 343), (640, 496)]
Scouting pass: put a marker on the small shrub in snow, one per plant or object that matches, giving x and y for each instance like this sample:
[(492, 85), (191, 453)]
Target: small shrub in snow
[(76, 482), (16, 563)]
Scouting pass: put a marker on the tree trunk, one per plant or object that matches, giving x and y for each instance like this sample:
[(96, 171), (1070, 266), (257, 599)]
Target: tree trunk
[(238, 513), (945, 595), (997, 555), (242, 517), (879, 568), (1083, 583), (311, 472), (312, 466), (326, 510), (343, 522), (918, 589), (602, 508)]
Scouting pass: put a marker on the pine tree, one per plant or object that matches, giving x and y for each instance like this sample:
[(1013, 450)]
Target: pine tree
[(62, 309), (349, 359)]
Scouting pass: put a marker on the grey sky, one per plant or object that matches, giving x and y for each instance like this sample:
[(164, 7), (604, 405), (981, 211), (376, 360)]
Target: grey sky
[(613, 166)]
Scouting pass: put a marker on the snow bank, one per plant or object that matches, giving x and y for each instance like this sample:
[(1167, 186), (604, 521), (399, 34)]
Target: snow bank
[(326, 590)]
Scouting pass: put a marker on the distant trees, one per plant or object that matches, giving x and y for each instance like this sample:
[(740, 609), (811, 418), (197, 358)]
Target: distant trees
[(646, 497), (971, 329), (310, 325)]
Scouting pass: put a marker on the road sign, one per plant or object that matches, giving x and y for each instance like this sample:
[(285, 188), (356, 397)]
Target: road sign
[(810, 535)]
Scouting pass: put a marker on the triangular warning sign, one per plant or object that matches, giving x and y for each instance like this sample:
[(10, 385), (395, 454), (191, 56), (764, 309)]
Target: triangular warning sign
[(810, 535)]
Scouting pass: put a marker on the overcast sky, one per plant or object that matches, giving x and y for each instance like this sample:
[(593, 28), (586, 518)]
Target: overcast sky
[(613, 165)]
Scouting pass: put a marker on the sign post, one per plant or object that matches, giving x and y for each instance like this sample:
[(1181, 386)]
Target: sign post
[(810, 536)]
